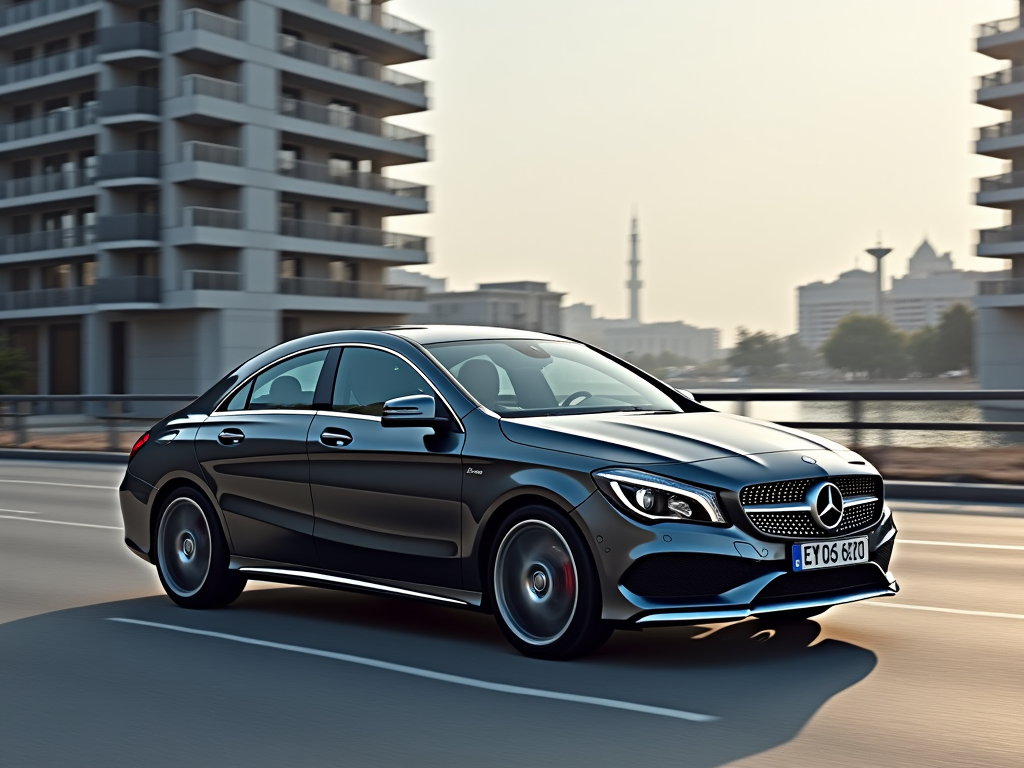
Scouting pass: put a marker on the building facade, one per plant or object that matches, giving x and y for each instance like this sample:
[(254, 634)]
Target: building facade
[(525, 305), (1000, 303), (182, 188), (822, 305)]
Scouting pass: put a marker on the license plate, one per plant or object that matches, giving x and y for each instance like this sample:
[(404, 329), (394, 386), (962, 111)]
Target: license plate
[(830, 554)]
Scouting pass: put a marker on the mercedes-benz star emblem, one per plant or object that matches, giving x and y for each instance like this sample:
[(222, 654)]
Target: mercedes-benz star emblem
[(826, 503)]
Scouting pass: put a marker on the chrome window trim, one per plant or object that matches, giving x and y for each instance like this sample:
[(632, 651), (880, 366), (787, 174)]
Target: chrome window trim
[(266, 411)]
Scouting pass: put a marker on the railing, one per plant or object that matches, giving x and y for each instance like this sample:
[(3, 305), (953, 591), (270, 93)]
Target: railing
[(50, 240), (1009, 234), (133, 36), (349, 289), (128, 289), (1001, 130), (222, 218), (57, 181), (345, 233), (303, 169), (15, 13), (54, 122), (46, 298), (1001, 182), (47, 65), (133, 163), (207, 21), (212, 280), (339, 117), (374, 15), (109, 290), (205, 152), (351, 63), (1009, 287), (128, 226), (857, 398), (999, 27), (215, 88), (134, 99), (1003, 77)]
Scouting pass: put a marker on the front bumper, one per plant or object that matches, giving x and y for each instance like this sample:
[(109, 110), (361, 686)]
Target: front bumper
[(679, 573)]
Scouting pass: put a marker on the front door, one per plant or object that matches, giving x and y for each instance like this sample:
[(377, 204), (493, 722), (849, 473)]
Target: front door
[(253, 452), (387, 501)]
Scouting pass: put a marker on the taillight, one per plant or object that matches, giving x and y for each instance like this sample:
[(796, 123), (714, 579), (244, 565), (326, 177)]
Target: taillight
[(138, 444)]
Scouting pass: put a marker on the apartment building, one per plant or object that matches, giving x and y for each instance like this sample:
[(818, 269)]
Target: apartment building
[(527, 305), (181, 187), (1000, 303)]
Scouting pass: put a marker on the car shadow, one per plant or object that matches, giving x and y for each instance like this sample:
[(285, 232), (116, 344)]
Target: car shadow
[(79, 689)]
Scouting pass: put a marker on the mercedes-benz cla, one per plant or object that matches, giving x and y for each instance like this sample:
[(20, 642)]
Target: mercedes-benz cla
[(532, 476)]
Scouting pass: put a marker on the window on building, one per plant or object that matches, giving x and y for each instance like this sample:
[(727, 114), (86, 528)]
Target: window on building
[(88, 162), (21, 169), (22, 112), (148, 140), (150, 14), (291, 209), (147, 263), (56, 46), (61, 104), (21, 279), (291, 266), (291, 328), (343, 271), (288, 157), (87, 273), (22, 224), (148, 78), (58, 276), (290, 40), (342, 217), (86, 39), (148, 202), (85, 98), (22, 54), (290, 98)]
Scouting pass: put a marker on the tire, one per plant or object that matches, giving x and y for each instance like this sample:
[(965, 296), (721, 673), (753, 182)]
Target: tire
[(192, 554), (779, 618), (544, 587)]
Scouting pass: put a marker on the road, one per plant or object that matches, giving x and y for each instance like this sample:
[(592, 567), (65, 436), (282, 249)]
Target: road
[(296, 676)]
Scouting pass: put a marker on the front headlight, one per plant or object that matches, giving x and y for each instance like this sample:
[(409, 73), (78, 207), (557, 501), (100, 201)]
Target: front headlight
[(651, 499)]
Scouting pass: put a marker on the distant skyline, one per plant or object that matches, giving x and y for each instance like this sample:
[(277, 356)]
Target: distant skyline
[(764, 145)]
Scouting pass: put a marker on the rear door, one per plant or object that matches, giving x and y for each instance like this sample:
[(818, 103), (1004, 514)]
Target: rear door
[(387, 501), (253, 452)]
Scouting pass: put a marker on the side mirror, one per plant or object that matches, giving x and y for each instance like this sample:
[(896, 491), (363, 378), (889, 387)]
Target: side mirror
[(687, 394), (413, 411)]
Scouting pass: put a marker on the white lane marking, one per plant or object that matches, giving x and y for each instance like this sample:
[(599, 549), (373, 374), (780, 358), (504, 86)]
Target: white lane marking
[(19, 511), (907, 606), (1013, 547), (63, 485), (440, 676), (59, 522)]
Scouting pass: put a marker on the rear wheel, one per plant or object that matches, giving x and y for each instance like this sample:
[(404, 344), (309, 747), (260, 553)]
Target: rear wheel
[(544, 586), (192, 554)]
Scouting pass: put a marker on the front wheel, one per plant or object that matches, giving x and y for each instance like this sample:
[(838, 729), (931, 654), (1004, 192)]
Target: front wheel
[(192, 554), (544, 586)]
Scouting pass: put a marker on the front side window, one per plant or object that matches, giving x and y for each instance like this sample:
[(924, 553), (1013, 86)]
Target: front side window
[(290, 384), (532, 378), (367, 378)]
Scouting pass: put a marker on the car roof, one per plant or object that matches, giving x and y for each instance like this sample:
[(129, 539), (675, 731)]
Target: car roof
[(437, 334)]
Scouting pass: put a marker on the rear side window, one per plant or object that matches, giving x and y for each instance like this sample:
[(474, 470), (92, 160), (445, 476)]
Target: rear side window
[(367, 378), (290, 384)]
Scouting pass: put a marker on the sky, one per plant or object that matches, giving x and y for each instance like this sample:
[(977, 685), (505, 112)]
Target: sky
[(763, 144)]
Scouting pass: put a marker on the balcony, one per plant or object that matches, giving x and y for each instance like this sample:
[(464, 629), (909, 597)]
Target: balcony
[(1002, 89), (344, 233), (220, 218), (17, 13), (127, 289), (205, 152), (349, 63), (403, 141), (201, 85), (1001, 241), (999, 38), (125, 43), (361, 180), (131, 289), (135, 103), (206, 21), (128, 230), (135, 167), (373, 14), (349, 289), (55, 63), (212, 280), (1011, 287), (57, 122), (999, 191), (49, 240), (46, 183)]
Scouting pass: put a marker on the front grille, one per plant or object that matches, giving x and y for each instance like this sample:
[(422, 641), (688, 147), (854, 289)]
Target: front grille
[(828, 581), (683, 576), (795, 525)]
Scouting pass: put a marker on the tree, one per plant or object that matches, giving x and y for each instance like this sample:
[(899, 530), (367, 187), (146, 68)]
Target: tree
[(866, 344), (12, 370), (925, 352), (797, 356), (758, 352), (956, 338)]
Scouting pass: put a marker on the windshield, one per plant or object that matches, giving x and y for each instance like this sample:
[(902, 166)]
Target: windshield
[(540, 378)]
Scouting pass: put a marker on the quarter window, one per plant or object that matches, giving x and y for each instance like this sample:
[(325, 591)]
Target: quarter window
[(367, 378), (290, 384)]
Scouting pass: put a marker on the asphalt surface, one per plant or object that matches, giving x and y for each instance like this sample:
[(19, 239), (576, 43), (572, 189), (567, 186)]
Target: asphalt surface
[(296, 676)]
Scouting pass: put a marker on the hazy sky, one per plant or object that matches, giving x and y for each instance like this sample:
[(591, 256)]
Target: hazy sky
[(765, 143)]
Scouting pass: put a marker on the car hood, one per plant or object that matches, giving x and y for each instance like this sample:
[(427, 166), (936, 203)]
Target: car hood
[(639, 438)]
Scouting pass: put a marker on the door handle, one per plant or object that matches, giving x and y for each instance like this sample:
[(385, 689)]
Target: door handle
[(335, 438), (231, 437)]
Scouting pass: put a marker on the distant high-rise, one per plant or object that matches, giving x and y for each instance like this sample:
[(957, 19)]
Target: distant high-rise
[(1000, 303), (634, 283)]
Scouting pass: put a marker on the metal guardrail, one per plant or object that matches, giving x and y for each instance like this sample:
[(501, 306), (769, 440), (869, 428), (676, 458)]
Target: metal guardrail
[(350, 63), (349, 233), (999, 27), (130, 100), (133, 36), (56, 121), (338, 116), (329, 174), (16, 13), (207, 21), (205, 152), (52, 64), (1010, 287)]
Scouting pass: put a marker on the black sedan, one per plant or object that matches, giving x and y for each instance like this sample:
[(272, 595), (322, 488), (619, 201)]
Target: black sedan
[(525, 474)]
